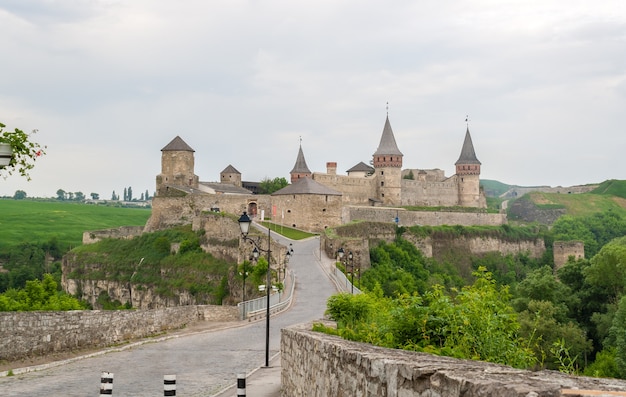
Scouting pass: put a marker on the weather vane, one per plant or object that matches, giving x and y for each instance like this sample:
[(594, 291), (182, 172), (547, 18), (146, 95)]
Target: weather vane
[(467, 120), (387, 108)]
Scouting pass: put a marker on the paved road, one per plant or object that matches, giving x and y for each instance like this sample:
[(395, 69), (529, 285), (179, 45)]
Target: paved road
[(204, 363)]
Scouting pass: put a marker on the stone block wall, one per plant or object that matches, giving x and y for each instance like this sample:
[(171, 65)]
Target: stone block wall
[(562, 250), (29, 334), (123, 232), (423, 218), (319, 365)]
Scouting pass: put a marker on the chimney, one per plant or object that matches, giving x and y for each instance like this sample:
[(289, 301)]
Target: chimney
[(331, 168)]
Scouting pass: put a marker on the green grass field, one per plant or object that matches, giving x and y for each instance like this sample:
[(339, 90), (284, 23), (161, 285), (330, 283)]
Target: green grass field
[(37, 221)]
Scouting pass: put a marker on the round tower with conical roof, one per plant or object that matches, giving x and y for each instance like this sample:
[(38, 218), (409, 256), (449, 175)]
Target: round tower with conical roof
[(177, 167), (468, 174), (387, 164)]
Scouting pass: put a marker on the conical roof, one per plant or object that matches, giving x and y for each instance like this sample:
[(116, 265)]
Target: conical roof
[(468, 156), (387, 144), (300, 167), (177, 145)]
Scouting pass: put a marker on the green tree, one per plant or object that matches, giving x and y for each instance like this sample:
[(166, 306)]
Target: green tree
[(61, 194), (130, 194), (608, 268), (79, 196), (269, 186), (19, 195), (94, 196), (409, 175)]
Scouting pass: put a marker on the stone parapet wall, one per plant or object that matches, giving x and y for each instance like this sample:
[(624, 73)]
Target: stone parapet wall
[(423, 218), (123, 232), (29, 334), (319, 365)]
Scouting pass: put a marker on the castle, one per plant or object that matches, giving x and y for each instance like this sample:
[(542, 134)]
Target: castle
[(315, 200)]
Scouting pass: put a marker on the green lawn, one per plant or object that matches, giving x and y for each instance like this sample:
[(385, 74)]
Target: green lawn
[(38, 221)]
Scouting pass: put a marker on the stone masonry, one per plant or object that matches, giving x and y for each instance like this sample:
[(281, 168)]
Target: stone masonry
[(319, 365), (29, 334)]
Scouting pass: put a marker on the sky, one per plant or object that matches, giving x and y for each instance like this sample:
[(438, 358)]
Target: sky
[(109, 83)]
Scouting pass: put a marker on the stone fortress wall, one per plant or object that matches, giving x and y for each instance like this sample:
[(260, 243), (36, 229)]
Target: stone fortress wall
[(29, 334), (319, 365)]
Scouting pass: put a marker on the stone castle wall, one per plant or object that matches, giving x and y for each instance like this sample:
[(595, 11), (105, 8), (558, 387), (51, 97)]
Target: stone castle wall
[(430, 193), (174, 211), (423, 218), (123, 232), (311, 212), (356, 190), (29, 334), (562, 250), (319, 365)]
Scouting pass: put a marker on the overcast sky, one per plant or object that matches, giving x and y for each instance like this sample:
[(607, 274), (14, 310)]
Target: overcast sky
[(109, 83)]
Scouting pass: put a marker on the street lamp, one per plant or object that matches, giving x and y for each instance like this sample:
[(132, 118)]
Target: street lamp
[(244, 225)]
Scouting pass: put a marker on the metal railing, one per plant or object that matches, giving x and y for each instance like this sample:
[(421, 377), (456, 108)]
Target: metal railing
[(278, 301), (343, 281)]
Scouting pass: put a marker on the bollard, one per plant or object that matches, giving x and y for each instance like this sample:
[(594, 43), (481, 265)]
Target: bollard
[(169, 385), (106, 384), (241, 385)]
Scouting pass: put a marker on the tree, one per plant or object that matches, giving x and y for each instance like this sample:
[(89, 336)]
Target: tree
[(409, 175), (61, 194), (608, 269), (95, 196), (24, 151), (269, 186), (70, 196), (130, 194), (79, 196), (147, 195), (19, 195), (125, 195), (113, 196)]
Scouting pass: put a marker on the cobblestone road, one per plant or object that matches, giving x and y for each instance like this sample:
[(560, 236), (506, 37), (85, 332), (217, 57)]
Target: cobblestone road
[(203, 362)]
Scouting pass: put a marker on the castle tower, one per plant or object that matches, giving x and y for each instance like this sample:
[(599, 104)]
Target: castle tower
[(468, 173), (230, 175), (300, 169), (177, 167), (388, 167)]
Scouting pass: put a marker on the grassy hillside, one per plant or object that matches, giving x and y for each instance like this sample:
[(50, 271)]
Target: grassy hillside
[(612, 187), (494, 188), (581, 205), (36, 221)]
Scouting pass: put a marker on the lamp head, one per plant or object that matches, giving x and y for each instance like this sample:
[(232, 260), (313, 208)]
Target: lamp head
[(244, 223)]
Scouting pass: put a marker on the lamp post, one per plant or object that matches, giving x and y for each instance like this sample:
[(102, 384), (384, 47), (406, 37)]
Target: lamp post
[(351, 273), (244, 225), (244, 274)]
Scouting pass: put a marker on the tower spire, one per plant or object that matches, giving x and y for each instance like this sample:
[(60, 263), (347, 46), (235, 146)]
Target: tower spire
[(300, 169)]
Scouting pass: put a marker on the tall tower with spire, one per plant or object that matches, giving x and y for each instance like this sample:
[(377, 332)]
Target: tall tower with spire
[(300, 169), (468, 173), (177, 167), (388, 168)]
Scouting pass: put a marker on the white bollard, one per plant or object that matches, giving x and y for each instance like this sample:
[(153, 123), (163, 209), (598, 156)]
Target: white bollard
[(169, 385), (106, 384), (241, 385)]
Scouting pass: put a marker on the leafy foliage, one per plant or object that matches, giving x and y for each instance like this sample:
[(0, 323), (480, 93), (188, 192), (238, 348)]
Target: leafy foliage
[(269, 186), (39, 295), (476, 323)]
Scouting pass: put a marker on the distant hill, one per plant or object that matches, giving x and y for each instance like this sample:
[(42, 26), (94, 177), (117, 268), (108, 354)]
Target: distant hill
[(494, 188), (612, 187)]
